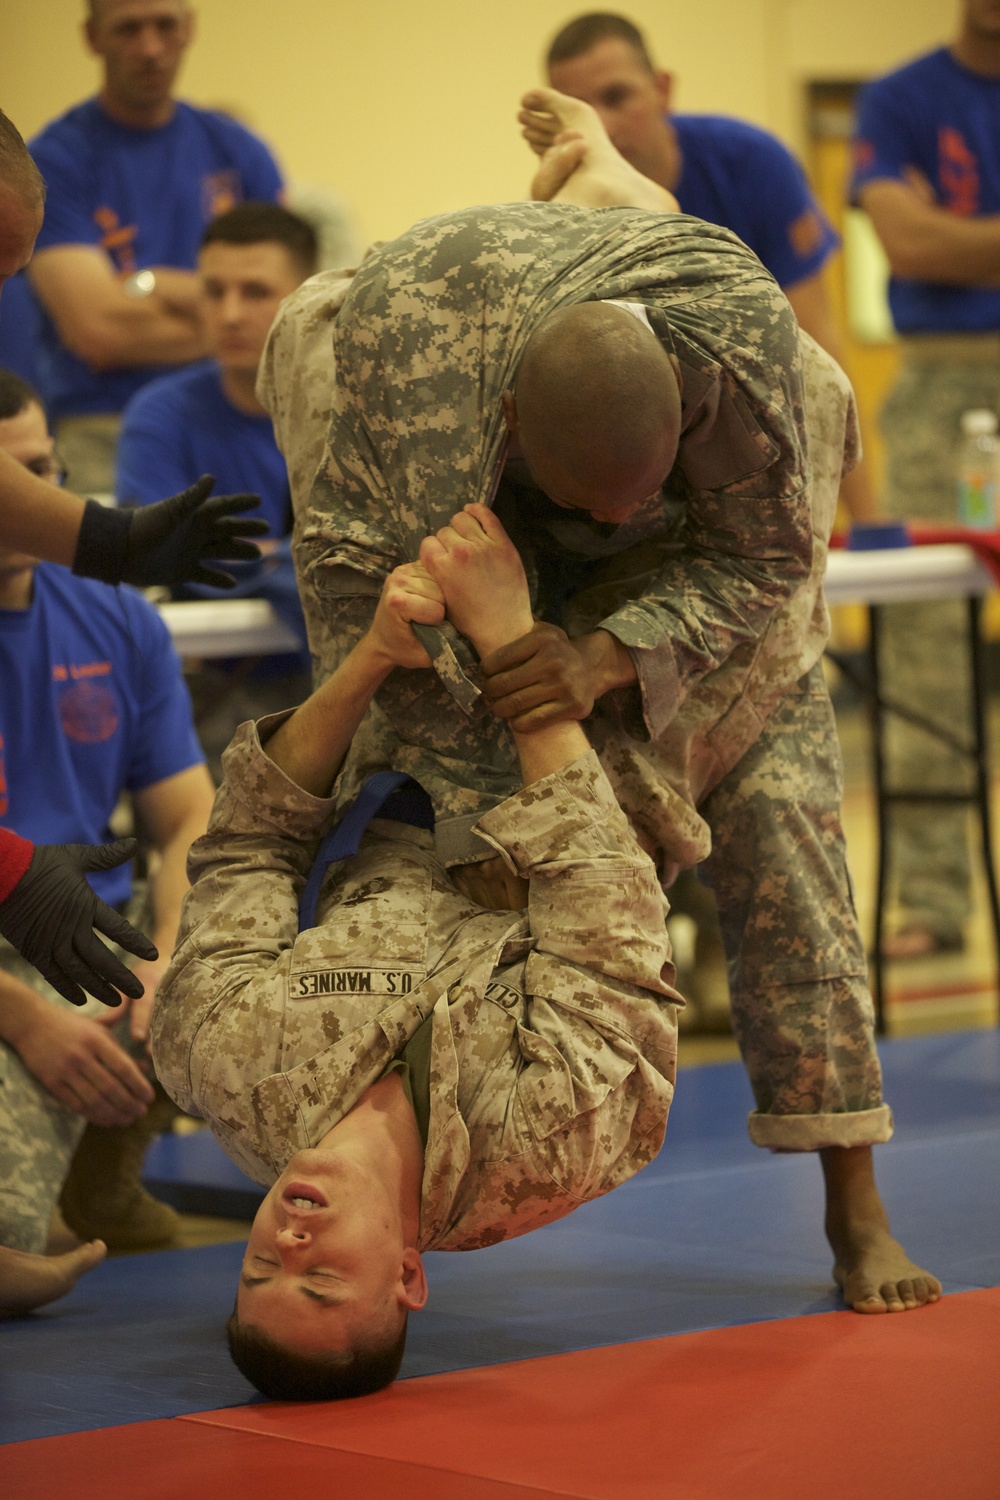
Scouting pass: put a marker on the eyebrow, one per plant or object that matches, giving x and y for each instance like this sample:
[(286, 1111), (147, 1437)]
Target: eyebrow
[(324, 1298)]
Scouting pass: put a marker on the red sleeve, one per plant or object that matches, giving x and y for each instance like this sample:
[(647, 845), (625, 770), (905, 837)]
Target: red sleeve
[(15, 857)]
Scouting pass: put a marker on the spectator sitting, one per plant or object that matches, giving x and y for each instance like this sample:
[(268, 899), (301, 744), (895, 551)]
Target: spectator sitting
[(207, 419), (133, 177), (92, 704)]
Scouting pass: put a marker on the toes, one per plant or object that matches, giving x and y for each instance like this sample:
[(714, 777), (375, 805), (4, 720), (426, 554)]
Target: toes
[(891, 1296)]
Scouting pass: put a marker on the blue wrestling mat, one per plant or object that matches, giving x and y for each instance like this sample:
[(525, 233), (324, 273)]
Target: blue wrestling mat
[(713, 1234)]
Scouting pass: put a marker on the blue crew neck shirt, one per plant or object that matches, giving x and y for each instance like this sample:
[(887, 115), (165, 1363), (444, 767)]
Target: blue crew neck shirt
[(144, 197), (938, 116), (92, 704), (183, 425), (743, 178)]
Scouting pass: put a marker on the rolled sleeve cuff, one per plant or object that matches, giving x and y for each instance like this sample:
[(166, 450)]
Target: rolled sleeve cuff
[(570, 814), (255, 791), (863, 1127), (656, 674)]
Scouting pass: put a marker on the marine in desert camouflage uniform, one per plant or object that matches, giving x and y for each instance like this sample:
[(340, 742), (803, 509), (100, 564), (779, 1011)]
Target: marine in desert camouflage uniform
[(539, 1046)]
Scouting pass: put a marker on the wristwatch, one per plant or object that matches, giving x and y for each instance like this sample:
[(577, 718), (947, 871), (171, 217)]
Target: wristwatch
[(140, 284)]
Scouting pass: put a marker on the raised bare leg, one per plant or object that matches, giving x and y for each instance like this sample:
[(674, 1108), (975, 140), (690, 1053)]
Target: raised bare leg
[(873, 1271), (579, 163)]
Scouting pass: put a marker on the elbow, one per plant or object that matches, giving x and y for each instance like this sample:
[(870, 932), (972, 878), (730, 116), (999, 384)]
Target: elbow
[(93, 341)]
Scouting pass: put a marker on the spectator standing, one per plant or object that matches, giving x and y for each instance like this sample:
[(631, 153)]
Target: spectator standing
[(927, 172)]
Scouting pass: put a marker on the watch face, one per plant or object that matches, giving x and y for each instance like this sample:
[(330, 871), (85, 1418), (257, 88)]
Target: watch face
[(141, 283)]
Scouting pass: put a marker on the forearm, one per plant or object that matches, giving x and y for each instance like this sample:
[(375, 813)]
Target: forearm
[(19, 1006), (552, 746), (594, 901), (35, 516), (169, 884), (926, 243), (309, 747), (130, 332)]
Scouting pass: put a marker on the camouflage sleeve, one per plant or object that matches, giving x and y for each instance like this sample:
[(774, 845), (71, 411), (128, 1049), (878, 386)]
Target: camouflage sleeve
[(747, 539), (601, 1022), (241, 914)]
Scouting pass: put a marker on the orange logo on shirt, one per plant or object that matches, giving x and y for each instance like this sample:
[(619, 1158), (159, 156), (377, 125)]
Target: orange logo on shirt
[(806, 233), (117, 239), (959, 171), (220, 191)]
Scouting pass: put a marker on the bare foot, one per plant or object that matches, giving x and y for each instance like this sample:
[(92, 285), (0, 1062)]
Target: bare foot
[(873, 1271), (481, 575), (579, 163), (875, 1274), (29, 1281)]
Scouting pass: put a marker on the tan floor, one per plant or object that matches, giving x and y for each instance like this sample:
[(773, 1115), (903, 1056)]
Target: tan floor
[(946, 993)]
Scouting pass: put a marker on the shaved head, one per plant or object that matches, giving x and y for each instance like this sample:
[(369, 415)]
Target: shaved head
[(596, 408)]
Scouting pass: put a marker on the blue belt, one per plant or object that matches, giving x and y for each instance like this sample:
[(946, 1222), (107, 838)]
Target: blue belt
[(387, 794)]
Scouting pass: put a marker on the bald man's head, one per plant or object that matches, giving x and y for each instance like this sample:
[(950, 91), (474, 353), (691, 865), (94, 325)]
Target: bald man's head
[(596, 409)]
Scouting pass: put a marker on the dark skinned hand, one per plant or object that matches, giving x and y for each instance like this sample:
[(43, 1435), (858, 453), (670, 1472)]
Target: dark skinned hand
[(543, 678)]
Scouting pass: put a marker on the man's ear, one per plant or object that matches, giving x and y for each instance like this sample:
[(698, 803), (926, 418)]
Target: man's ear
[(411, 1291), (510, 411), (664, 85)]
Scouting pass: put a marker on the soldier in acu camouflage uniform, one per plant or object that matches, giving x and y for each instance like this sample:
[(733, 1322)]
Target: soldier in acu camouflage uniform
[(712, 719), (537, 1047)]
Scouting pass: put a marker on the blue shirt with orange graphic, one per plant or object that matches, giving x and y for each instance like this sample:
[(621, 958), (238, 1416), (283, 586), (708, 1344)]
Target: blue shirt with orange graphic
[(92, 704), (145, 197), (943, 119), (742, 177)]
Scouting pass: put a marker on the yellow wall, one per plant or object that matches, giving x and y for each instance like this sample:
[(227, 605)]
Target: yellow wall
[(406, 108)]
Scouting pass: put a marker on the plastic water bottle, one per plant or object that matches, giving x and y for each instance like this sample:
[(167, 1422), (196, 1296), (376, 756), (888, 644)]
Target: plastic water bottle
[(978, 459)]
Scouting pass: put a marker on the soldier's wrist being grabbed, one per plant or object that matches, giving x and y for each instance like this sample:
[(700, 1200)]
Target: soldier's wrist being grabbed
[(546, 678)]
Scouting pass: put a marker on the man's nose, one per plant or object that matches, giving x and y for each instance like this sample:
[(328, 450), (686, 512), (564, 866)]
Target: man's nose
[(291, 1238), (150, 41)]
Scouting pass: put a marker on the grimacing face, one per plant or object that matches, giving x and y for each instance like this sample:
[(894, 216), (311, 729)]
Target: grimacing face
[(326, 1258), (142, 44), (242, 287), (631, 101)]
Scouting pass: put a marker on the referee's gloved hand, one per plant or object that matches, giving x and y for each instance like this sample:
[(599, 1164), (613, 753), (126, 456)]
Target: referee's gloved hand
[(50, 917), (168, 542)]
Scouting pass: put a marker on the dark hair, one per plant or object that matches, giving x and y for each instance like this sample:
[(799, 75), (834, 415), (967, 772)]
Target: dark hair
[(585, 32), (282, 1374), (17, 167), (15, 395), (253, 223)]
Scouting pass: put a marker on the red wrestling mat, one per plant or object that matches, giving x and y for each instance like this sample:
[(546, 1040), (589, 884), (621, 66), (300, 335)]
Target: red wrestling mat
[(899, 1407)]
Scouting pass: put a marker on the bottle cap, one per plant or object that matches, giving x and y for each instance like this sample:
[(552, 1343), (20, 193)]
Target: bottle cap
[(978, 422)]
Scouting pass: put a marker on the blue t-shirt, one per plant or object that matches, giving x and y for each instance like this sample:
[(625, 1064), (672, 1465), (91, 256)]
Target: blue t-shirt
[(145, 197), (935, 115), (181, 426), (743, 178), (92, 703), (20, 328)]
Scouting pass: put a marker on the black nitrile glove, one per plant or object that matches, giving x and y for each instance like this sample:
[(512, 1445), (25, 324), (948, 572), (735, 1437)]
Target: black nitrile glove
[(167, 542), (50, 917)]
